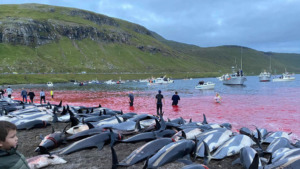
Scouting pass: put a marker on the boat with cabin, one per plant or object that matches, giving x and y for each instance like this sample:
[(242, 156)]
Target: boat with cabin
[(49, 84), (236, 78), (264, 76), (160, 80), (285, 77), (205, 85)]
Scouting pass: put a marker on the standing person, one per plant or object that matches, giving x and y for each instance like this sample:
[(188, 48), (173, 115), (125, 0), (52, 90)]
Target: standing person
[(159, 100), (131, 99), (52, 94), (218, 98), (31, 96), (9, 156), (175, 99), (24, 94), (42, 95), (9, 92), (1, 93)]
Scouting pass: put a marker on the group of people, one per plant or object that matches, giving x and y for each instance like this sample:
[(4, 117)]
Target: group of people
[(25, 94), (159, 100)]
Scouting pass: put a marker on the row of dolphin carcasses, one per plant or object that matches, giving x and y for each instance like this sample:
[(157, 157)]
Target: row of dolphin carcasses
[(167, 141)]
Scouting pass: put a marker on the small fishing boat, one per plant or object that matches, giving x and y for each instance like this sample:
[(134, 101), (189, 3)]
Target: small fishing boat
[(285, 77), (264, 76), (160, 80), (110, 82), (205, 85), (49, 84)]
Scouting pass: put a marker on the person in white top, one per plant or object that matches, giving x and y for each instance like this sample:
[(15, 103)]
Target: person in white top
[(42, 95), (9, 92)]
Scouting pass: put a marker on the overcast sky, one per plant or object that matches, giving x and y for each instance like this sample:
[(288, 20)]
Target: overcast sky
[(264, 25)]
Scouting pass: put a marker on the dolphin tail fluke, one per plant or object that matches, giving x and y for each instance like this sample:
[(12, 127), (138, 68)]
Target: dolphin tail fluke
[(52, 129), (255, 162), (55, 118), (157, 125), (99, 105), (114, 158), (237, 161), (207, 155), (146, 163), (194, 153), (100, 145), (204, 119)]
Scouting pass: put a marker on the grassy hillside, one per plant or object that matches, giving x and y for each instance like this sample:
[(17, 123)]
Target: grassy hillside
[(67, 40)]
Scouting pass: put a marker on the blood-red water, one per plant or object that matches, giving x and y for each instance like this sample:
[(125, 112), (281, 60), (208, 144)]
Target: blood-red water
[(278, 111)]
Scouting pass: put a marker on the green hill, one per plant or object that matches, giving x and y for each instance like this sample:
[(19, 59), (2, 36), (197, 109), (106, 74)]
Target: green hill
[(38, 38)]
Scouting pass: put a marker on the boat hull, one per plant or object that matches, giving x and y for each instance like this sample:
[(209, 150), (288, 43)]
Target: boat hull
[(205, 87), (239, 80), (284, 79), (264, 78)]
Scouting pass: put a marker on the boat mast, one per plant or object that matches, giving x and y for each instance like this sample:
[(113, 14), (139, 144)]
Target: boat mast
[(270, 65), (241, 58)]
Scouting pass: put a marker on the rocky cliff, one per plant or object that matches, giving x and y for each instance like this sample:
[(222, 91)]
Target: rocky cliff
[(34, 32)]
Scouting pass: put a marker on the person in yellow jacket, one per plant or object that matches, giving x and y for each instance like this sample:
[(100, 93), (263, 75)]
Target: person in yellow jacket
[(52, 94)]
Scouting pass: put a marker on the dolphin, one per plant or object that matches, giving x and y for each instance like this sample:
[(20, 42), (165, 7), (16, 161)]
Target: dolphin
[(147, 136), (292, 162), (213, 140), (32, 124), (279, 143), (229, 148), (93, 141), (275, 135), (44, 160), (141, 153), (284, 153), (246, 159), (171, 152), (52, 140)]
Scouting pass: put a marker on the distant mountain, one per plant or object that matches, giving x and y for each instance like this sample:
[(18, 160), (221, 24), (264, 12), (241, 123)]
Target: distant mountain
[(42, 38)]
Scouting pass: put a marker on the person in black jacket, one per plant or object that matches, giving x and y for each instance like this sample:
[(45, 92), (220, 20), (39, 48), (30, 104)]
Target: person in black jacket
[(159, 100), (175, 99), (31, 95)]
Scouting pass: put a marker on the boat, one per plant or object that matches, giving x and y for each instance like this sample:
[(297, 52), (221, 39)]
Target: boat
[(120, 81), (49, 84), (160, 80), (205, 85), (220, 78), (285, 77), (143, 80), (236, 78), (264, 76), (110, 82)]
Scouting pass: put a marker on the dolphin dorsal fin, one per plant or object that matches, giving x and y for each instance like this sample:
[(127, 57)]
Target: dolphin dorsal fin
[(60, 104), (204, 119)]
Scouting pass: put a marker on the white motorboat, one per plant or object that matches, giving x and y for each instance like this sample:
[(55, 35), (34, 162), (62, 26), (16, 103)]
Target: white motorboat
[(110, 82), (49, 84), (285, 77), (264, 76), (160, 80), (205, 86)]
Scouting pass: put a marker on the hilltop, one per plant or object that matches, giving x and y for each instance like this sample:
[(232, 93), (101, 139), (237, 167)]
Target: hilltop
[(37, 38)]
